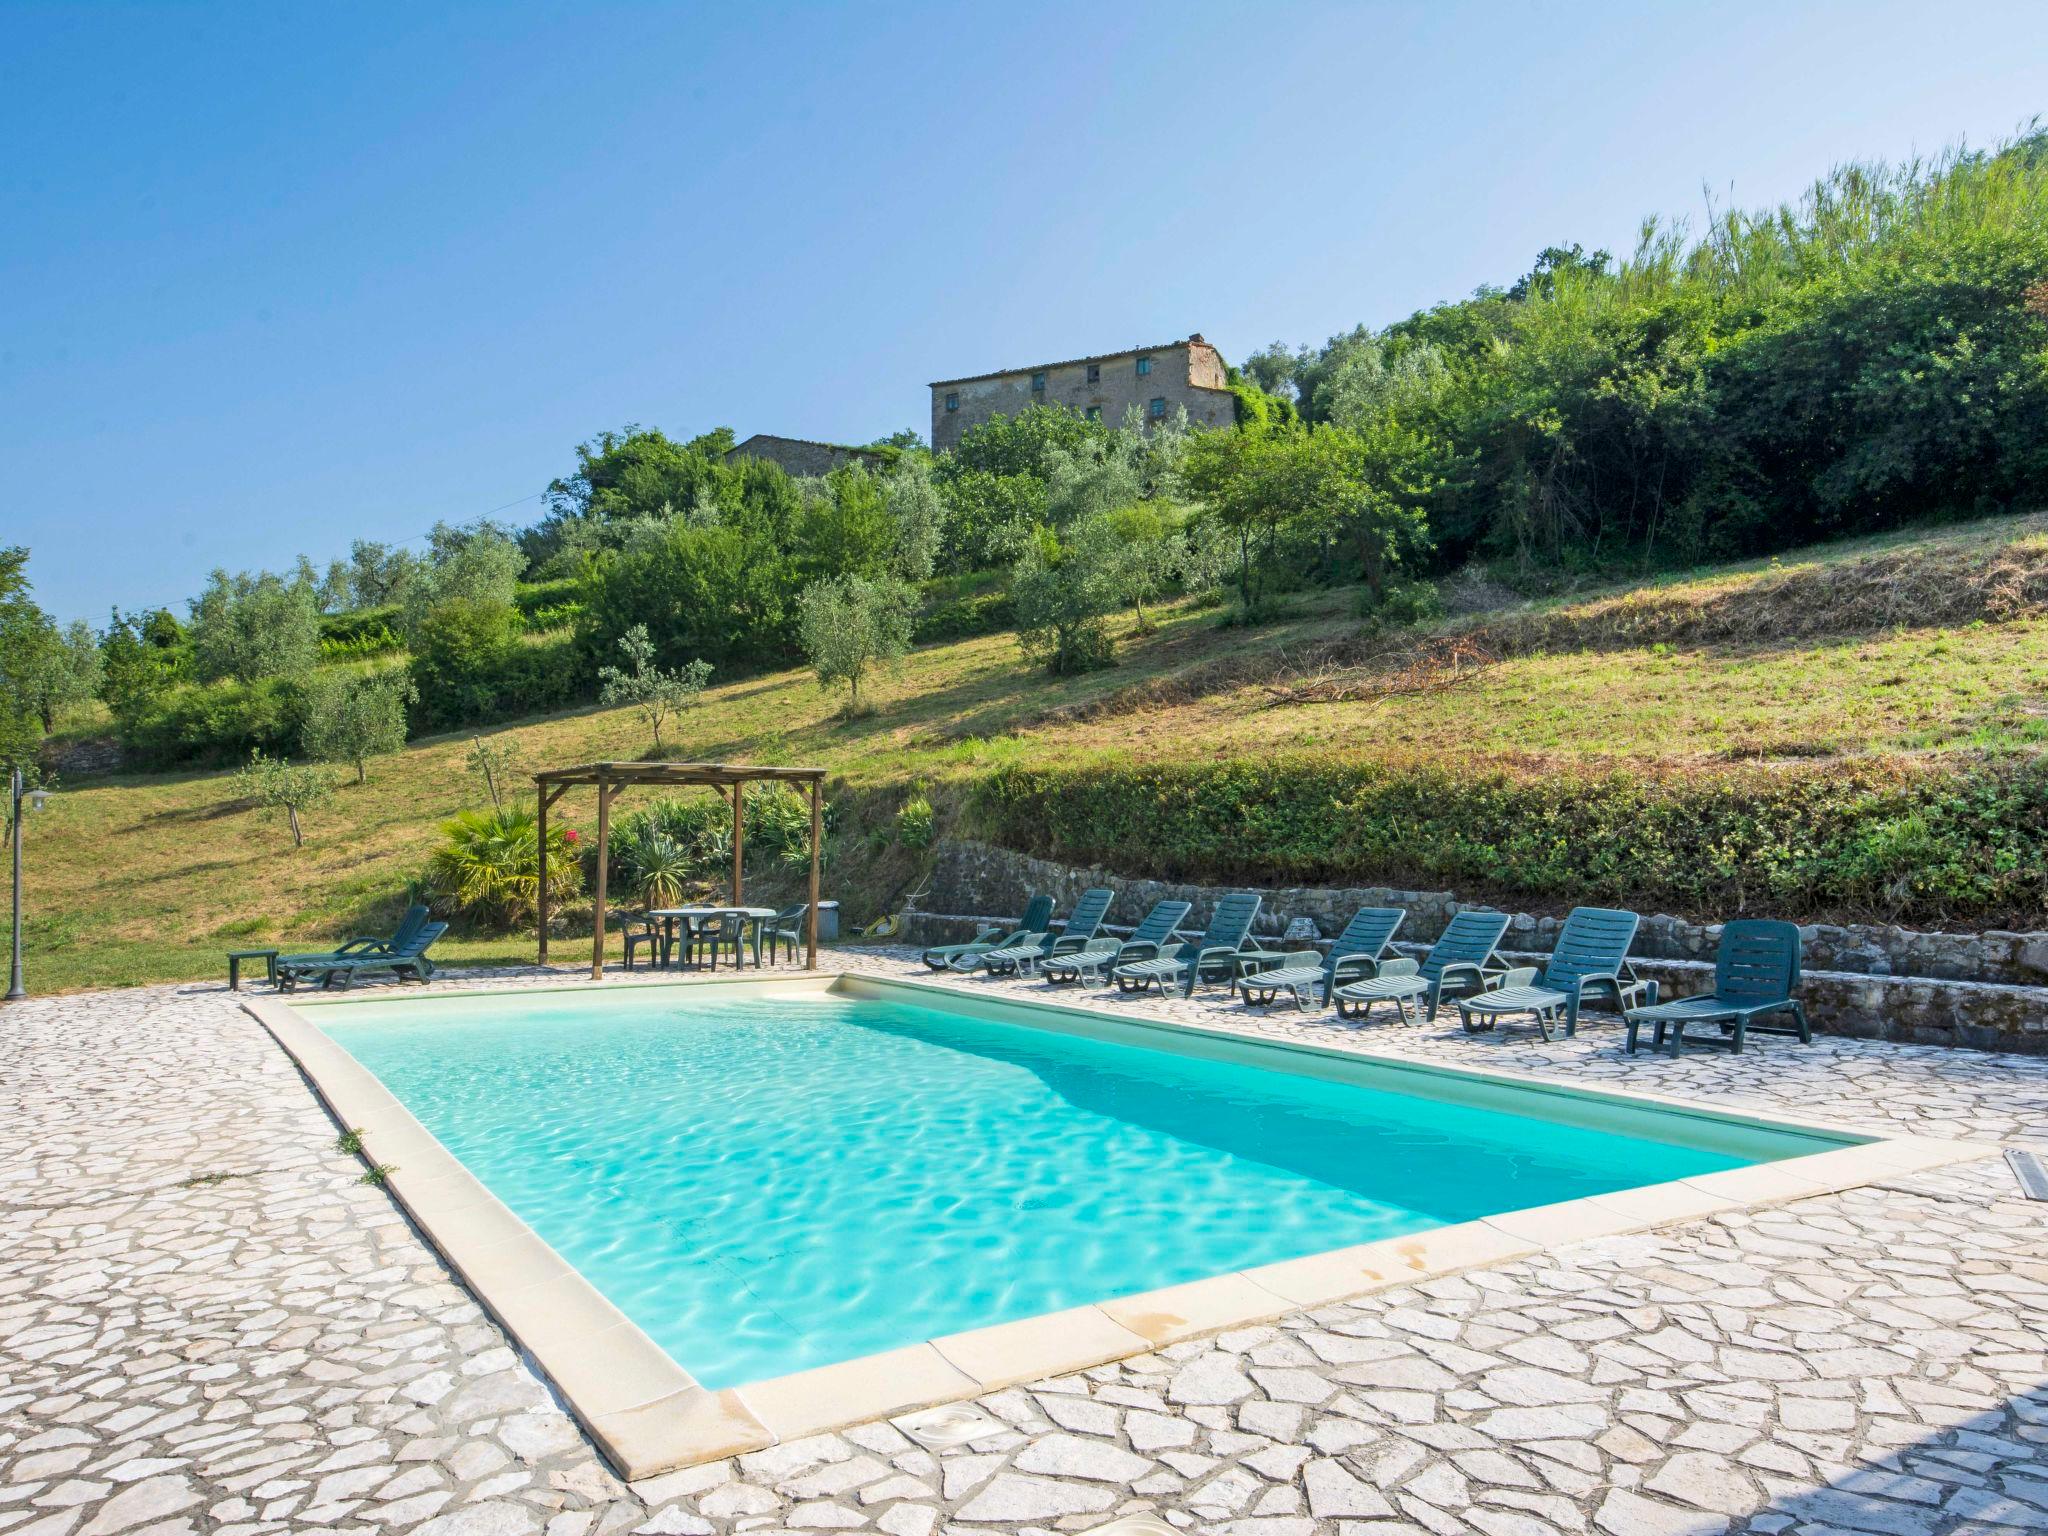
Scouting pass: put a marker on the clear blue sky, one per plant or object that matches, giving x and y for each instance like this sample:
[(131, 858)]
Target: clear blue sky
[(275, 276)]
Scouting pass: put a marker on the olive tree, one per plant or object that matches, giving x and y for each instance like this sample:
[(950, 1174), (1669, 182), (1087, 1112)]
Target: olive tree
[(852, 625), (274, 784), (656, 693), (352, 719), (1065, 588), (252, 626)]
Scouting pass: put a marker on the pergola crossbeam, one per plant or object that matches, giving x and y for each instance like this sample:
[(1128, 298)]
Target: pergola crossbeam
[(611, 779)]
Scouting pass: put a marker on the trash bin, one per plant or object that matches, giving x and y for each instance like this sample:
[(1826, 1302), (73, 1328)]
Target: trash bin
[(828, 921)]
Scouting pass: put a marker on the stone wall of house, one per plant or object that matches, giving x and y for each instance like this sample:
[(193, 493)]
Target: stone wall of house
[(1186, 374), (1985, 990)]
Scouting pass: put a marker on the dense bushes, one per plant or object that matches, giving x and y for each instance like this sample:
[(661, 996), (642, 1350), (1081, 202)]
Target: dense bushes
[(963, 618), (1894, 839), (1876, 353), (472, 665), (365, 632), (210, 724)]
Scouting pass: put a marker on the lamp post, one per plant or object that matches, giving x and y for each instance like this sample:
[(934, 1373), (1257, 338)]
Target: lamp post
[(35, 797)]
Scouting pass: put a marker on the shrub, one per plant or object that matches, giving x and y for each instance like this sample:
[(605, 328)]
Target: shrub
[(1403, 603), (360, 633), (915, 823), (1899, 839), (488, 865), (779, 822), (470, 665), (963, 618), (209, 724)]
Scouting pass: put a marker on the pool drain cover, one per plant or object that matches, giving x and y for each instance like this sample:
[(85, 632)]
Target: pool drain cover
[(954, 1424), (2032, 1173)]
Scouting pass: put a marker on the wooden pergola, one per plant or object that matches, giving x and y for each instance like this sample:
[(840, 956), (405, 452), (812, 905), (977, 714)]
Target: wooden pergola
[(613, 779)]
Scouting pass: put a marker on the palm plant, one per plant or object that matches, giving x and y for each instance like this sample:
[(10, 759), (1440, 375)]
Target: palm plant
[(488, 864)]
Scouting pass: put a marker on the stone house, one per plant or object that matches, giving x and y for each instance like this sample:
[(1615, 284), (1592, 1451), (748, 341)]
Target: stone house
[(801, 456), (1155, 380)]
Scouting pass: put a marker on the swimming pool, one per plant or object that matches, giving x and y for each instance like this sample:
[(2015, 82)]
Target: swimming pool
[(767, 1181)]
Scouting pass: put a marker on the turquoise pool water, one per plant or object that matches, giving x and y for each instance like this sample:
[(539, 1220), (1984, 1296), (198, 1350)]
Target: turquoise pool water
[(766, 1185)]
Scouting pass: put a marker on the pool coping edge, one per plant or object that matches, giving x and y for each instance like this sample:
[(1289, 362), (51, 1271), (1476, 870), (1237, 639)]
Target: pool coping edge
[(649, 1416)]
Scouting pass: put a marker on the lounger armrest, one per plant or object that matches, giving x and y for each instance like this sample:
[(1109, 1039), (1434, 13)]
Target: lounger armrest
[(1354, 968), (1215, 954), (365, 946), (1467, 970), (1596, 982), (1138, 949)]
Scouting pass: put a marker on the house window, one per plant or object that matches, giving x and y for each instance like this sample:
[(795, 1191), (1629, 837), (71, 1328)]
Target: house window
[(1095, 373), (1158, 407), (1144, 366), (1095, 413), (952, 402), (1038, 383)]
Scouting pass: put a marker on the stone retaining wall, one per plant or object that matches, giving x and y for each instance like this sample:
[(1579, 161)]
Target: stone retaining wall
[(1982, 990)]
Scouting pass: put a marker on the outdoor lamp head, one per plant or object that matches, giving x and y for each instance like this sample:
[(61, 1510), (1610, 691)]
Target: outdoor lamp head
[(38, 798)]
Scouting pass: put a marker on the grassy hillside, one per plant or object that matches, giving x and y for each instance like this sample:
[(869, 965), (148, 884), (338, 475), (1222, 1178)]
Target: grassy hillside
[(1934, 644)]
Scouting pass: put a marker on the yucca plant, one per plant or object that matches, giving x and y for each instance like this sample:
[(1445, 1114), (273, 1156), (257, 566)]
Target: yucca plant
[(658, 869), (488, 864)]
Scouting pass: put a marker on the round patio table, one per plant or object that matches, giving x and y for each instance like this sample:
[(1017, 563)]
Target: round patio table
[(689, 917)]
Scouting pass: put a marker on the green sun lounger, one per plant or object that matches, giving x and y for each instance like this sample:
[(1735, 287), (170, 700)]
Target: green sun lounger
[(407, 930), (407, 961), (1354, 956), (1402, 985), (1037, 917), (1211, 958), (1082, 926), (1462, 961), (1093, 960), (1589, 963), (1756, 974)]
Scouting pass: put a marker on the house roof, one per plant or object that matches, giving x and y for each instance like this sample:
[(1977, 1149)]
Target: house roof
[(805, 442), (1073, 362)]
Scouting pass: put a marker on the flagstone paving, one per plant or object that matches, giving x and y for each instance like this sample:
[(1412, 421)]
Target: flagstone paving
[(207, 1323)]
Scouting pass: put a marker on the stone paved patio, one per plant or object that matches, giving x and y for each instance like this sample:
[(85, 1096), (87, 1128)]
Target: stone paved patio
[(208, 1324)]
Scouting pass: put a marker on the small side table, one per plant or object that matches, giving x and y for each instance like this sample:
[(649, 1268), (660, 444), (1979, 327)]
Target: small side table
[(237, 956)]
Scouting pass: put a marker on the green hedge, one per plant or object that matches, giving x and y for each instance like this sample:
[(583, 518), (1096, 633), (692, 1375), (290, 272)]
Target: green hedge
[(1902, 840)]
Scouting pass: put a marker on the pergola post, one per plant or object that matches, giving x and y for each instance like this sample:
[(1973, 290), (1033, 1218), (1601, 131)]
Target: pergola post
[(604, 837), (739, 791), (817, 841), (540, 896)]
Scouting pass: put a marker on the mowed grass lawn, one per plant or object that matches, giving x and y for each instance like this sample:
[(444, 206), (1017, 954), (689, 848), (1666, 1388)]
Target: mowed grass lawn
[(152, 878)]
